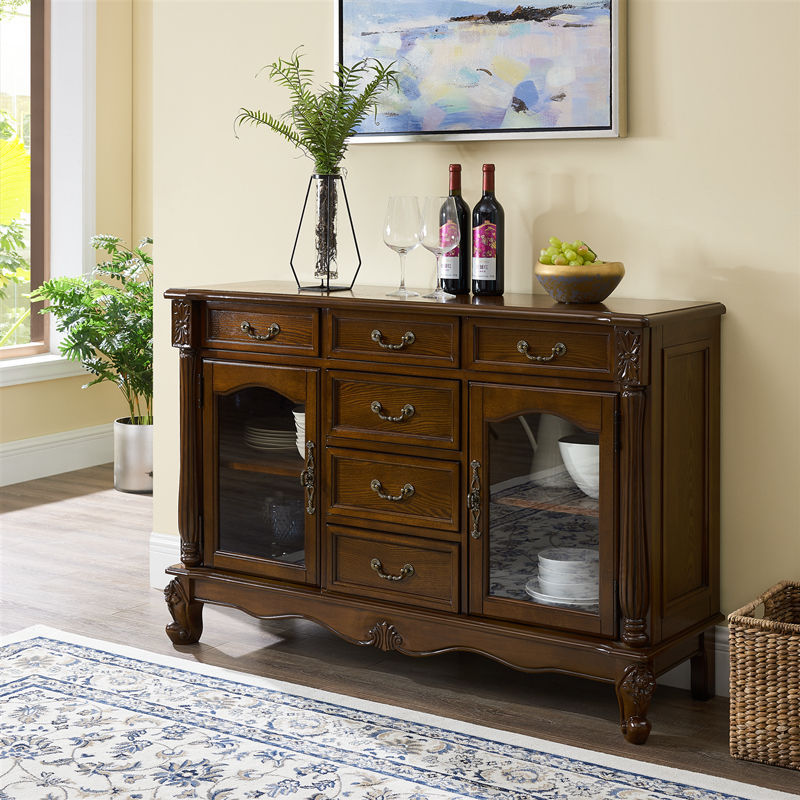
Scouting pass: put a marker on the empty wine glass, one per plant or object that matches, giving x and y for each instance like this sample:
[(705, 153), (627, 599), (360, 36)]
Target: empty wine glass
[(401, 233), (440, 233)]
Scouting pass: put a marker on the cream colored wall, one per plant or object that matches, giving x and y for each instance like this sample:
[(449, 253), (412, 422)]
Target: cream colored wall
[(38, 409), (702, 200)]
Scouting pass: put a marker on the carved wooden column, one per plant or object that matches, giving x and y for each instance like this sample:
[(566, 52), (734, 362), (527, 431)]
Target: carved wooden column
[(184, 335), (634, 592)]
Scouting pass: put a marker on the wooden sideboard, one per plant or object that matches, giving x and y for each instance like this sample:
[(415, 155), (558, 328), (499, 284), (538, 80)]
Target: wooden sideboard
[(432, 477)]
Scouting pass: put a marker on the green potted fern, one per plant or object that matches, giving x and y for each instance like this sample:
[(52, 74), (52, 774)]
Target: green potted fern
[(107, 317), (319, 123)]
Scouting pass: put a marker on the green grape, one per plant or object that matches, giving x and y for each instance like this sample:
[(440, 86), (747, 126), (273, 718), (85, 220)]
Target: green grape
[(575, 263), (570, 254), (589, 257), (560, 260), (582, 250), (542, 252), (555, 241), (545, 258), (553, 251), (576, 244)]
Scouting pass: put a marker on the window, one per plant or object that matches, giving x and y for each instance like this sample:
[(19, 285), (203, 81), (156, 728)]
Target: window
[(24, 173)]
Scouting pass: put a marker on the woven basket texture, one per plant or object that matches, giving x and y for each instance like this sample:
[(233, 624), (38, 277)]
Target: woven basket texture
[(765, 678)]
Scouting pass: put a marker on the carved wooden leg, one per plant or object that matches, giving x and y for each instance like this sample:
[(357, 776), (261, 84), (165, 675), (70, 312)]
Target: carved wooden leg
[(704, 668), (187, 613), (634, 690)]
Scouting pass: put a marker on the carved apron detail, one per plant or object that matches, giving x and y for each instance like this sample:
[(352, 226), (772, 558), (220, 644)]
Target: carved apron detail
[(629, 353), (384, 636)]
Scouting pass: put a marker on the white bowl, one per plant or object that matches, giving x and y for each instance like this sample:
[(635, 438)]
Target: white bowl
[(568, 562), (581, 456)]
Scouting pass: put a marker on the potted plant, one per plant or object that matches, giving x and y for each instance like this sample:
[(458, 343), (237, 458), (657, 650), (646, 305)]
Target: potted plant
[(108, 320), (319, 123)]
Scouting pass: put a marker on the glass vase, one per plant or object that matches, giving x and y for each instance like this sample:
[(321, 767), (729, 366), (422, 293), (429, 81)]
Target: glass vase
[(325, 248)]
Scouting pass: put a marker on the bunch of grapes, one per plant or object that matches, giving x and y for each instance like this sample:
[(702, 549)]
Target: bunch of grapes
[(576, 253)]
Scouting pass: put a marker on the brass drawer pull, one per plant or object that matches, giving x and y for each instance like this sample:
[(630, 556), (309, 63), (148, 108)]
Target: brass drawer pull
[(559, 349), (406, 412), (406, 339), (271, 333), (377, 486), (307, 480), (474, 500), (406, 571)]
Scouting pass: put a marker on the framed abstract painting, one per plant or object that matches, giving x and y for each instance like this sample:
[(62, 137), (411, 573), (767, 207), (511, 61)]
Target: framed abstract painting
[(479, 69)]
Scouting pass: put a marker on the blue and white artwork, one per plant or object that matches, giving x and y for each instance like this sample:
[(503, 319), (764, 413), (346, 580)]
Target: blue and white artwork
[(471, 67)]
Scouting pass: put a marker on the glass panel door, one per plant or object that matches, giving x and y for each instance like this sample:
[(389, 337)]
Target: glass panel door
[(544, 463), (262, 500)]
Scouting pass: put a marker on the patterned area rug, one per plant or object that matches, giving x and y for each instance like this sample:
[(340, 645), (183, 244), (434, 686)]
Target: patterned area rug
[(87, 719)]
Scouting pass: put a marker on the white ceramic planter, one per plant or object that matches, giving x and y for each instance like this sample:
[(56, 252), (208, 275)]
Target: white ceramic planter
[(133, 456)]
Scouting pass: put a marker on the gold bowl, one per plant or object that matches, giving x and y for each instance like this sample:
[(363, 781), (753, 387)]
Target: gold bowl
[(590, 283)]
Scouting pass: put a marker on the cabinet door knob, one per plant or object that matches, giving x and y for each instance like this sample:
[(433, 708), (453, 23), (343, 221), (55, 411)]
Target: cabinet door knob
[(377, 487), (406, 412), (559, 349), (405, 571), (406, 339), (271, 333)]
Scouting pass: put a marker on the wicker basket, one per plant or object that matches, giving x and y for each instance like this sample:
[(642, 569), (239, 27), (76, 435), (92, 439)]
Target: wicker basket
[(765, 678)]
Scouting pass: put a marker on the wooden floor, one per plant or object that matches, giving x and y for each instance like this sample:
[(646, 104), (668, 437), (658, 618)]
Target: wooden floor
[(74, 555)]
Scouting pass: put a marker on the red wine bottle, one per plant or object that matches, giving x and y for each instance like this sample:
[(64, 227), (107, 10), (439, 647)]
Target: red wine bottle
[(488, 239), (455, 265)]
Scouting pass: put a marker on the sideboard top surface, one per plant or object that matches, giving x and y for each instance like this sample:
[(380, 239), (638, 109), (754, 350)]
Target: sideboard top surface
[(618, 310)]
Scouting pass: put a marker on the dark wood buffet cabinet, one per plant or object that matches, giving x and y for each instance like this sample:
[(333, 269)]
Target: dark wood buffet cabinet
[(394, 469)]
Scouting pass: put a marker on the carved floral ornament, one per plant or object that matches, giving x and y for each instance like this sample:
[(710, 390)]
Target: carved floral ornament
[(181, 323), (629, 351)]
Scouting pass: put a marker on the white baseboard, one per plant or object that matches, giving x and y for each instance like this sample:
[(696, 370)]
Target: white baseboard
[(165, 550), (40, 456), (680, 677)]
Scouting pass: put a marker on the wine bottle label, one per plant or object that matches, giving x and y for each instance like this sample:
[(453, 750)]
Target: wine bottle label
[(449, 265), (484, 252)]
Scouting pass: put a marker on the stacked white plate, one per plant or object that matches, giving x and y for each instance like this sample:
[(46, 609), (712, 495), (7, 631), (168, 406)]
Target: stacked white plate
[(300, 428), (567, 576), (261, 435)]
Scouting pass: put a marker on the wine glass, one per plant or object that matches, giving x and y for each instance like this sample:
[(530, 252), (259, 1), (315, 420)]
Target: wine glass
[(401, 233), (440, 233)]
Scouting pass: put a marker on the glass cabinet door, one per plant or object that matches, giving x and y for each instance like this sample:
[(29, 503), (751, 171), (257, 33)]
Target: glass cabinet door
[(541, 515), (259, 429)]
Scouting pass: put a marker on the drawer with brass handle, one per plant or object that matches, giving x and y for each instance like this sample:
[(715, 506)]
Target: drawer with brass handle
[(394, 409), (394, 338), (263, 328), (540, 348), (404, 569), (380, 487)]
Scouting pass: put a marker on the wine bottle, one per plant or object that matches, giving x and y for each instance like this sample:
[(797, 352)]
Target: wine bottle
[(488, 239), (455, 265)]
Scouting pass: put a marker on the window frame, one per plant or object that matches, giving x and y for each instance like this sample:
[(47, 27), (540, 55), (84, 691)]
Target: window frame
[(40, 178)]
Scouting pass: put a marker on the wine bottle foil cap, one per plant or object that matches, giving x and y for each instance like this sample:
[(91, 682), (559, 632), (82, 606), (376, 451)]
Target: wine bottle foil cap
[(455, 168), (488, 167)]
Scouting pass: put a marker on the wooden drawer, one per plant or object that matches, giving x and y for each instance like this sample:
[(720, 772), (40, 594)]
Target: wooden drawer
[(396, 489), (576, 350), (269, 328), (394, 338), (394, 409), (419, 572)]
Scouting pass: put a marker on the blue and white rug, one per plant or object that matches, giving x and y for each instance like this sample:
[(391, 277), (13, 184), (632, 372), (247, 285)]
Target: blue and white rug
[(81, 718)]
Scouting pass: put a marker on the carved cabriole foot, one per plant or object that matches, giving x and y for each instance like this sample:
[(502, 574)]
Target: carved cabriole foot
[(186, 613), (704, 668), (634, 691)]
